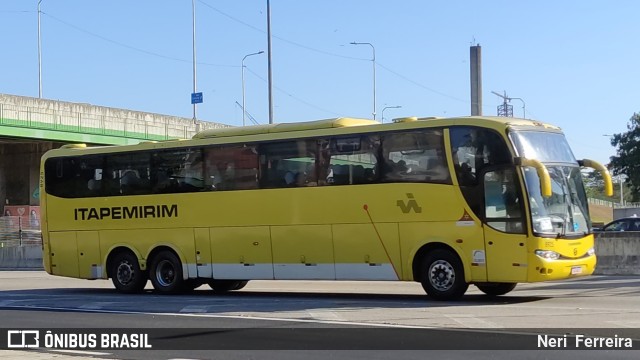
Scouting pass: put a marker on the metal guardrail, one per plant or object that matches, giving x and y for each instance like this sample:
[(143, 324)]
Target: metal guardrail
[(19, 231), (612, 204), (143, 126), (601, 202)]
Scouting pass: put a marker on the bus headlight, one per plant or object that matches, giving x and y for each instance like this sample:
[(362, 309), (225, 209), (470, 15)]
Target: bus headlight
[(548, 254), (591, 252)]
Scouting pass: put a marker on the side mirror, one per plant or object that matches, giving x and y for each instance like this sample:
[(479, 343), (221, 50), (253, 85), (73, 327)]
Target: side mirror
[(608, 184), (541, 170)]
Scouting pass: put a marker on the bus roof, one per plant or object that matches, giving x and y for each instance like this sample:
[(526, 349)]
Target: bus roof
[(284, 127), (280, 131), (348, 122)]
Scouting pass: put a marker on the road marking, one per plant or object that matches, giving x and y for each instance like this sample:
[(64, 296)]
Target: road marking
[(195, 309), (242, 317), (471, 321), (95, 305), (325, 315), (624, 324)]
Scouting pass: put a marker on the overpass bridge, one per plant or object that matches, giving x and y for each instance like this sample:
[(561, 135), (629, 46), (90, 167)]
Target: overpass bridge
[(31, 126)]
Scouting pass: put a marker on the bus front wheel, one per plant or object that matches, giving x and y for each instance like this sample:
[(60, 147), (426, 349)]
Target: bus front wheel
[(443, 275), (496, 289), (166, 273), (223, 286), (126, 274)]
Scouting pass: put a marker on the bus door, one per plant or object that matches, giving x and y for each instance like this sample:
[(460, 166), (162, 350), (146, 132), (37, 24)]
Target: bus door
[(504, 226)]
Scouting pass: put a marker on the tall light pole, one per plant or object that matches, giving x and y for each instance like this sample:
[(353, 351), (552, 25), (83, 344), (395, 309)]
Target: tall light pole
[(243, 104), (373, 60), (524, 111), (269, 63), (39, 55), (388, 107), (193, 11)]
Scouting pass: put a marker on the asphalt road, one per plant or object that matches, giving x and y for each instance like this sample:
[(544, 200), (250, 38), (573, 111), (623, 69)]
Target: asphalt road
[(287, 319)]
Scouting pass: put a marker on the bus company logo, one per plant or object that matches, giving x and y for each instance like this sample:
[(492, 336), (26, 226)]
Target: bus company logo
[(410, 205), (126, 212), (21, 339)]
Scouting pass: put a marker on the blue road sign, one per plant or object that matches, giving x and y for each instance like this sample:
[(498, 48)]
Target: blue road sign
[(196, 98)]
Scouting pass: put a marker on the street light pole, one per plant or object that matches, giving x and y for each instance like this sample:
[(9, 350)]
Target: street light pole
[(193, 10), (373, 60), (388, 107), (270, 76), (524, 111), (39, 55), (621, 192), (243, 104)]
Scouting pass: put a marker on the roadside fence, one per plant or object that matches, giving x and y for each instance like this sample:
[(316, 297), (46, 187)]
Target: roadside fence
[(19, 231)]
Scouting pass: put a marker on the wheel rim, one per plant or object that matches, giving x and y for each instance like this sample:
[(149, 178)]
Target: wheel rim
[(165, 273), (125, 273), (442, 275)]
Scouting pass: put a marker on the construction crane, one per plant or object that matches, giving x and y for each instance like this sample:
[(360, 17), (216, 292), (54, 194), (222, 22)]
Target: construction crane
[(506, 109), (253, 120)]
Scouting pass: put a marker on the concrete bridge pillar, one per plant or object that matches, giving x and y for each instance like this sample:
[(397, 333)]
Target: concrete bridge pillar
[(19, 171)]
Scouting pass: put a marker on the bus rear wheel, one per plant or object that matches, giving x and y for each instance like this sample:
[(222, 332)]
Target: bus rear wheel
[(443, 275), (496, 289), (166, 273), (223, 286), (126, 274)]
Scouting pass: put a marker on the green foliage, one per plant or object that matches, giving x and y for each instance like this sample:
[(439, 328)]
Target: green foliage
[(627, 160)]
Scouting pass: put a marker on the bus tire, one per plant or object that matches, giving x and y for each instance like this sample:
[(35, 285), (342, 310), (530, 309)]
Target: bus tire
[(443, 275), (496, 289), (223, 286), (165, 273), (126, 274)]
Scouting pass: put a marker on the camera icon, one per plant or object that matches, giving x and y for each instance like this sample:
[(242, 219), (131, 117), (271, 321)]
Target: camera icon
[(21, 339)]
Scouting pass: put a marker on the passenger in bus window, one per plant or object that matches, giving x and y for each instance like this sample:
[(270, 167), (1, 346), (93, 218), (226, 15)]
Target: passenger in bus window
[(218, 175), (310, 178), (291, 178), (94, 186), (466, 176), (369, 175), (130, 182), (437, 170)]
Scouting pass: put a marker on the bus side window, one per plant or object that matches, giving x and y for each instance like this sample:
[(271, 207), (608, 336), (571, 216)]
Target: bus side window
[(474, 148), (231, 167), (416, 156), (503, 207), (348, 160), (287, 164)]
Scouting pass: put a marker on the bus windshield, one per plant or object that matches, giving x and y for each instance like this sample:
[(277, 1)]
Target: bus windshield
[(543, 146), (565, 213)]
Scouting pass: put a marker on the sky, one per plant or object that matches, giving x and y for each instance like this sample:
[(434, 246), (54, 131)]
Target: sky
[(574, 63)]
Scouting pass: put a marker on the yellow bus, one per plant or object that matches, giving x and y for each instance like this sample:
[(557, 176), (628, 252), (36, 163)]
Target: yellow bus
[(446, 202)]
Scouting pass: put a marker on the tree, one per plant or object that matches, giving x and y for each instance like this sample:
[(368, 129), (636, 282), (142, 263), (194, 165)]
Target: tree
[(594, 186), (627, 160)]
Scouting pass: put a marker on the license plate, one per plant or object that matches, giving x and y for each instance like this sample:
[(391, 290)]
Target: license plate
[(575, 270)]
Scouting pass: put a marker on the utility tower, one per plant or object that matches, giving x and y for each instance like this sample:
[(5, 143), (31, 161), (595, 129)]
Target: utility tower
[(505, 109)]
